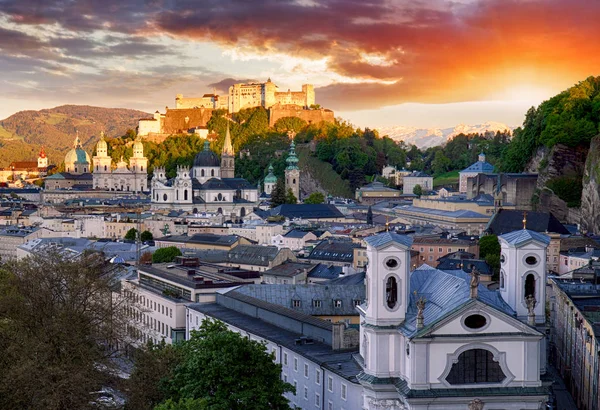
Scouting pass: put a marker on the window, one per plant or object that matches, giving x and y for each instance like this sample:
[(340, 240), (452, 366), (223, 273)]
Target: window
[(475, 366), (318, 376), (305, 393), (337, 303), (306, 370), (475, 321), (430, 249), (344, 391), (296, 303), (316, 303), (391, 263), (357, 302), (330, 383), (531, 260), (391, 292), (295, 388), (330, 405), (317, 400), (449, 250), (440, 250), (295, 364), (430, 257), (285, 359), (530, 285)]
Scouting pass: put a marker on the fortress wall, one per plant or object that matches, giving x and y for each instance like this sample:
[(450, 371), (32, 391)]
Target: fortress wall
[(294, 98), (310, 116), (180, 120)]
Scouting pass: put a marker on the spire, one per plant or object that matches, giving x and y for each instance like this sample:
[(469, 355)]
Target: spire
[(292, 159), (77, 142), (42, 153), (206, 145), (227, 147), (101, 135), (524, 219)]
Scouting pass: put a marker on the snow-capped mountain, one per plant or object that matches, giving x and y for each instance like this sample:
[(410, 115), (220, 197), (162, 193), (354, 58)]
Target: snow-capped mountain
[(425, 138)]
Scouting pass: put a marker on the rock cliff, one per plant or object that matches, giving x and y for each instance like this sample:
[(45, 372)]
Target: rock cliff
[(559, 164), (590, 196)]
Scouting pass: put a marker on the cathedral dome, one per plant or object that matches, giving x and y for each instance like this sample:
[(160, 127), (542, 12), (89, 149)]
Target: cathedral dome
[(77, 155), (270, 178), (206, 158)]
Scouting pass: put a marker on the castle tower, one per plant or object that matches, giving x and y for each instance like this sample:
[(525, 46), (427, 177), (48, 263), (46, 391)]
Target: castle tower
[(523, 272), (183, 185), (270, 181), (138, 164), (292, 172), (309, 95), (387, 299), (227, 157), (268, 90)]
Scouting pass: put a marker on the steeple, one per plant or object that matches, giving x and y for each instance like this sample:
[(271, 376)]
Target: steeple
[(227, 146), (292, 172), (77, 142), (292, 159)]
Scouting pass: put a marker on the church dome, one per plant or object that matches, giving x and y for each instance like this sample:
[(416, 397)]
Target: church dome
[(77, 155), (206, 158), (270, 178)]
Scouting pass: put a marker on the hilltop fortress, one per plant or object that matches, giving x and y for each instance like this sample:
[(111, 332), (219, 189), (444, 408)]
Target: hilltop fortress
[(191, 114)]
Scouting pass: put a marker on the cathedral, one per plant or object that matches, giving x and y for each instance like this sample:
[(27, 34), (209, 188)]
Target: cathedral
[(209, 186), (440, 340)]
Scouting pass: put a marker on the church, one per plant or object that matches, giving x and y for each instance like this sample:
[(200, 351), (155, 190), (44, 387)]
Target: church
[(209, 186), (432, 339)]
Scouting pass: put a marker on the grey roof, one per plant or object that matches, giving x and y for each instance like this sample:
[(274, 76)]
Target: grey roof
[(217, 184), (386, 238), (464, 264), (237, 183), (206, 158), (509, 220), (202, 238), (354, 279), (307, 211), (417, 174), (524, 236), (307, 295), (480, 167), (289, 269), (18, 231), (438, 212), (253, 254), (338, 362), (445, 292), (330, 250), (377, 186), (325, 271), (296, 233)]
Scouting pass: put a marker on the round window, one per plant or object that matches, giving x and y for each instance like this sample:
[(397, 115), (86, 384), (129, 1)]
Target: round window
[(531, 260), (475, 321), (391, 263), (502, 258)]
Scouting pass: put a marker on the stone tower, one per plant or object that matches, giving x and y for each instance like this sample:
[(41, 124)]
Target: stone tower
[(227, 157), (292, 172), (183, 185), (138, 165), (102, 162)]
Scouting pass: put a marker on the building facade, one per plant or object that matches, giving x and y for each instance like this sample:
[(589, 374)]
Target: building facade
[(122, 178), (417, 178), (479, 167)]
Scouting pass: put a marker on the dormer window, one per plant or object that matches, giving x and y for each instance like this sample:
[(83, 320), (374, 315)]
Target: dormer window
[(337, 303), (296, 303), (316, 303), (356, 302)]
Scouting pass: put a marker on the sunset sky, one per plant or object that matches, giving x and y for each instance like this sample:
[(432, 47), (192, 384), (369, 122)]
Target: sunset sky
[(376, 63)]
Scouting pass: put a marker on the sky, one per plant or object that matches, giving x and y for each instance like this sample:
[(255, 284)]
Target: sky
[(422, 63)]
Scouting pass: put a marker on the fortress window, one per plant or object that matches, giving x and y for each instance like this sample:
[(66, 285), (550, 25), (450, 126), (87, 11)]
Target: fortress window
[(530, 285), (391, 292)]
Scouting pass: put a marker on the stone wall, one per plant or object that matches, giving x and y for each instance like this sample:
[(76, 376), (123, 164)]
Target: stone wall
[(590, 197), (310, 116), (177, 121)]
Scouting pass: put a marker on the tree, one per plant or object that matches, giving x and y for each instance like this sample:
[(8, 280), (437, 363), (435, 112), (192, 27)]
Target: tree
[(278, 195), (370, 216), (146, 236), (154, 364), (146, 258), (167, 254), (290, 198), (315, 198), (222, 369), (489, 250), (131, 234), (58, 323), (418, 190)]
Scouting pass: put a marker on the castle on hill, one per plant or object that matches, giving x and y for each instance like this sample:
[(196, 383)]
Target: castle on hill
[(191, 114)]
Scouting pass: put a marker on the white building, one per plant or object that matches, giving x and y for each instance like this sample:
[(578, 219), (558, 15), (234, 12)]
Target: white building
[(417, 178), (479, 167), (294, 239), (122, 178)]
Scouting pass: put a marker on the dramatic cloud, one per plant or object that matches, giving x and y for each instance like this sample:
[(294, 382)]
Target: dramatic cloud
[(223, 85), (360, 53)]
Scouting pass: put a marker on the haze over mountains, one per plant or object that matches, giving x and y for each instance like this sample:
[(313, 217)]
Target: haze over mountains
[(431, 137)]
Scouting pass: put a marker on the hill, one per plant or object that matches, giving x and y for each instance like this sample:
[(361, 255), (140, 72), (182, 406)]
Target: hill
[(22, 134), (431, 137)]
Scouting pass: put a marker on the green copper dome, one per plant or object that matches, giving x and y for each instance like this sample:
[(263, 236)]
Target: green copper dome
[(292, 159), (270, 178)]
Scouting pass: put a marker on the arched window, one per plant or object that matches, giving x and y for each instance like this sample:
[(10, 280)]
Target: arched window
[(212, 172), (97, 168), (220, 211), (219, 197), (185, 195), (530, 285), (177, 195), (165, 197), (475, 366), (202, 173), (243, 212), (195, 210), (142, 168), (294, 181), (502, 280), (391, 292)]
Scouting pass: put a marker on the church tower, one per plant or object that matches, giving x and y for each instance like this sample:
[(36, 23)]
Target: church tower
[(183, 186), (270, 181), (42, 162), (138, 165), (523, 272), (227, 157), (292, 172), (102, 165)]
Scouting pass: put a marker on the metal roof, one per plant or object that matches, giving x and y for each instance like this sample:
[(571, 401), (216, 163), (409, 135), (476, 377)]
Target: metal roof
[(386, 238), (524, 236)]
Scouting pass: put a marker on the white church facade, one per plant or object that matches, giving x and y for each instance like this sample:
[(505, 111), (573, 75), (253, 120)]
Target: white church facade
[(209, 186)]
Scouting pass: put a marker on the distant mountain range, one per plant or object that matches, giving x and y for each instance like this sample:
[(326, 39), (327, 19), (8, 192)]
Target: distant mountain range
[(431, 137), (25, 132)]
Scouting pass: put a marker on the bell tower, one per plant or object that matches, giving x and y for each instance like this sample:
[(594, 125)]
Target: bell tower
[(292, 172), (227, 157)]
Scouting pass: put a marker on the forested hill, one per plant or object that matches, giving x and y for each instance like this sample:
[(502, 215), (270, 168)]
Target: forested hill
[(22, 134)]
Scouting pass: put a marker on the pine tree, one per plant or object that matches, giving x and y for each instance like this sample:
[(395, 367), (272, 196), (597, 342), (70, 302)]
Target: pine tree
[(278, 196), (290, 198)]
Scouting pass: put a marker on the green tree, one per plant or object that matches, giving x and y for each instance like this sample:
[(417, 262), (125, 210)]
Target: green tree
[(278, 195), (131, 234), (285, 124), (146, 236), (315, 198), (441, 163), (418, 190), (222, 369), (489, 250), (290, 198), (58, 319), (167, 254)]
